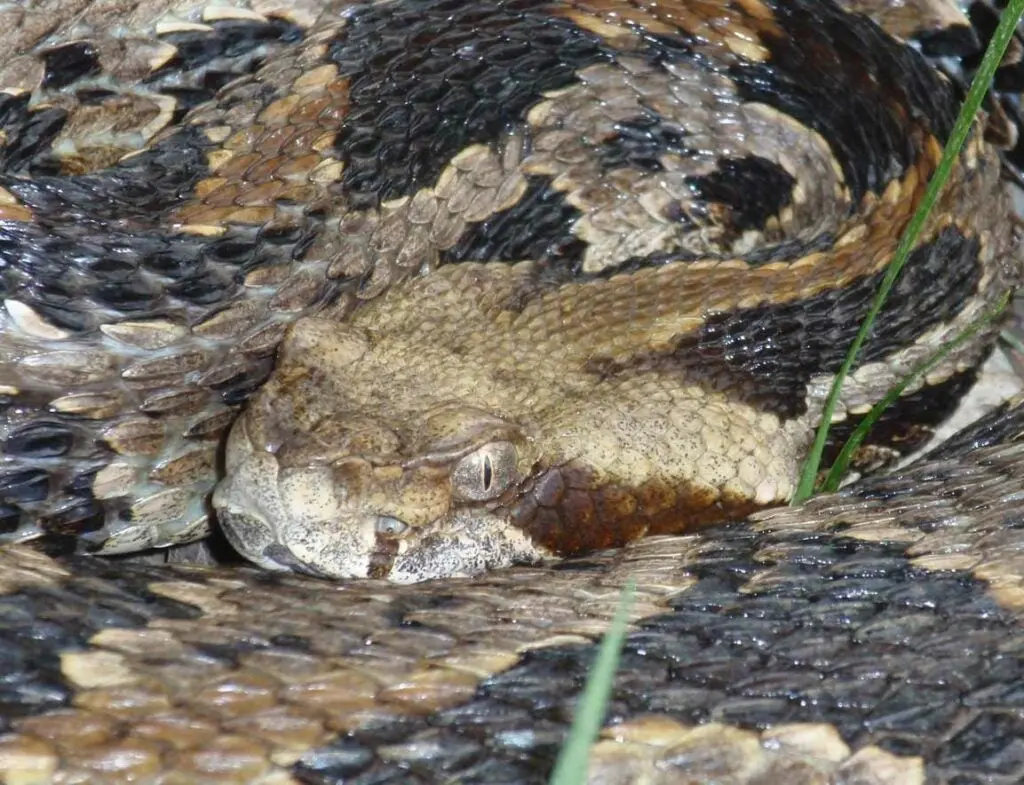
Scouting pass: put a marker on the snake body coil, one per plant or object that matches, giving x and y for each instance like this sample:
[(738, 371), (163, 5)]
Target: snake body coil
[(481, 283), (587, 271)]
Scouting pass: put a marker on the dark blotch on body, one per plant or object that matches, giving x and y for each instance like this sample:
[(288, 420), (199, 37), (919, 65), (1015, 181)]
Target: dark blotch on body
[(778, 348), (536, 227), (206, 60), (841, 75), (824, 640), (142, 187), (907, 424), (38, 625), (28, 134), (456, 74), (751, 188)]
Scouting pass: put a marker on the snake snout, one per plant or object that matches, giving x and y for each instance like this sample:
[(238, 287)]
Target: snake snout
[(354, 518), (293, 518)]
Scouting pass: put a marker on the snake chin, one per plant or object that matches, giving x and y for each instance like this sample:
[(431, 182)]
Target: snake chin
[(259, 513)]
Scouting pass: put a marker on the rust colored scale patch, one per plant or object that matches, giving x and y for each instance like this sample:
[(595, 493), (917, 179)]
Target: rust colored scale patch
[(264, 167), (570, 512)]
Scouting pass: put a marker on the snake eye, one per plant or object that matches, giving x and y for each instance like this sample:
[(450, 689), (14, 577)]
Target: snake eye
[(485, 473), (391, 527)]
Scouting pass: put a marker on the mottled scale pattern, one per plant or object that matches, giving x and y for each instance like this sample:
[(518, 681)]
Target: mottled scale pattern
[(142, 328), (872, 636), (476, 284), (174, 199)]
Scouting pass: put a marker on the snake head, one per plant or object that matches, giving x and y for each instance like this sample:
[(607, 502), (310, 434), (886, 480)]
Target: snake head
[(320, 482), (463, 422)]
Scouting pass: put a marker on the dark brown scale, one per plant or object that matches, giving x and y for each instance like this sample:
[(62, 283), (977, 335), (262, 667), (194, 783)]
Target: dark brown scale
[(129, 296), (76, 520), (114, 269), (954, 41), (237, 388), (237, 251), (177, 262), (206, 288), (68, 63)]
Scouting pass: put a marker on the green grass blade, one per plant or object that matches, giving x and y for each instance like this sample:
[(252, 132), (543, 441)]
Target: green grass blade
[(842, 462), (571, 766), (975, 95)]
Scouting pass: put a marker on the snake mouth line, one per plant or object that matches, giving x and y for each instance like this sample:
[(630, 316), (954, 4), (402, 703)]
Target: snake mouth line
[(284, 557), (380, 561)]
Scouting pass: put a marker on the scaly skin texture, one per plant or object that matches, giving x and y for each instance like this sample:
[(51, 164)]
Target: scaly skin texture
[(585, 271), (872, 636), (662, 364), (420, 233)]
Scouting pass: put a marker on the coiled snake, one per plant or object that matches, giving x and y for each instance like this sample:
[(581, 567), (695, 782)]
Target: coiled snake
[(527, 279)]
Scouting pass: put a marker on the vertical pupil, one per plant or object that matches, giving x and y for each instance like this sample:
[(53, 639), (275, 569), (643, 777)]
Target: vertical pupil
[(488, 476)]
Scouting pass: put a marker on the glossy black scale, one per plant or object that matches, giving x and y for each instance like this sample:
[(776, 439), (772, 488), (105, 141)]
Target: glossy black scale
[(457, 74), (40, 440), (70, 62), (787, 344)]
